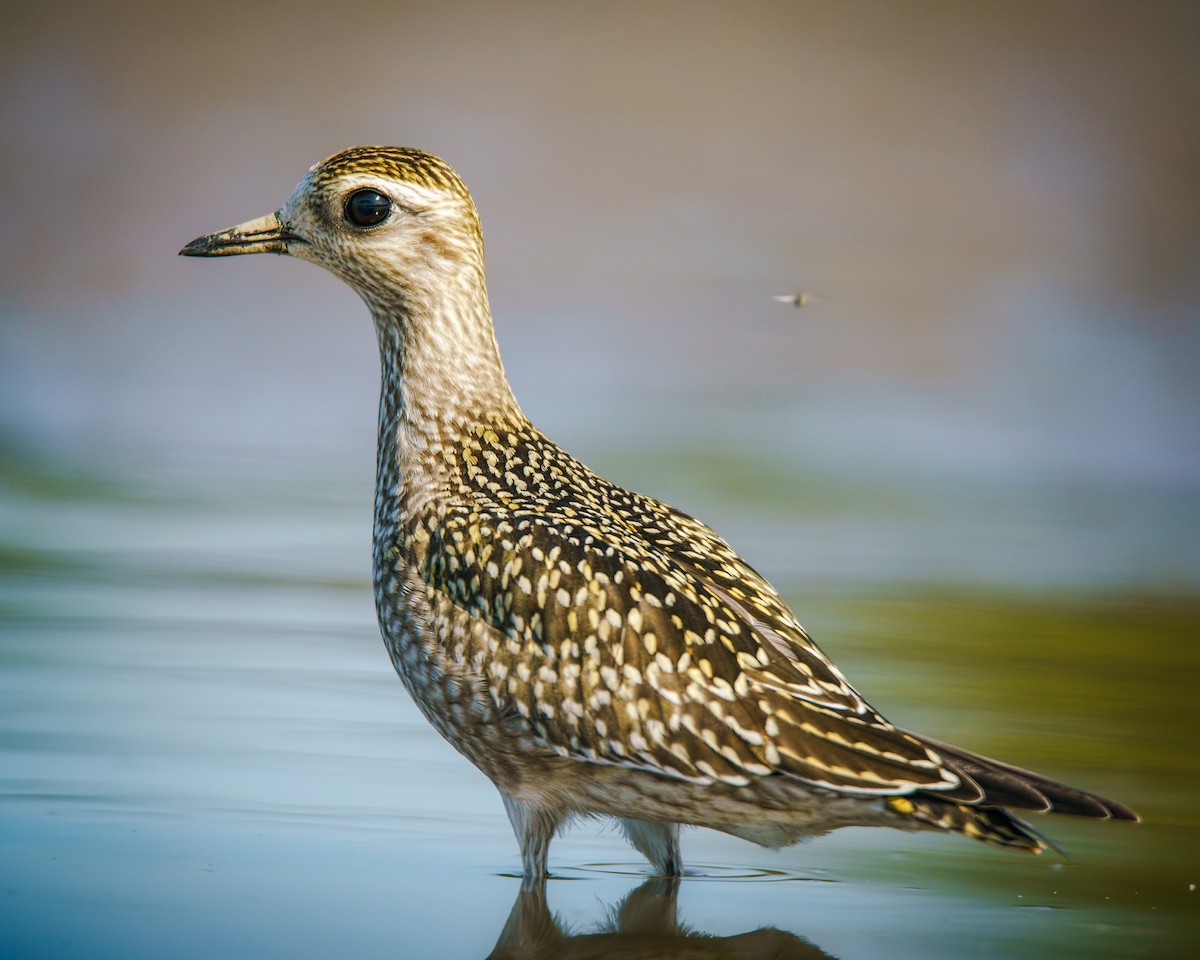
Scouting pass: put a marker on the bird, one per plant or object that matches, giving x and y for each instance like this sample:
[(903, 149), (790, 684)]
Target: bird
[(594, 651)]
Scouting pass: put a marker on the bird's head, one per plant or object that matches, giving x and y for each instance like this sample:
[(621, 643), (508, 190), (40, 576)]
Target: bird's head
[(392, 222)]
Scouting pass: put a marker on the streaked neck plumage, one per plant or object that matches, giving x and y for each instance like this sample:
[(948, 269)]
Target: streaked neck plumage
[(441, 380)]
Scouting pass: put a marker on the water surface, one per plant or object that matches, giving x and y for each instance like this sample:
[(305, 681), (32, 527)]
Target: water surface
[(204, 752)]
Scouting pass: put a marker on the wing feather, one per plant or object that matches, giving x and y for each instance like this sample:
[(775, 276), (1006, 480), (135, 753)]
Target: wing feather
[(680, 661)]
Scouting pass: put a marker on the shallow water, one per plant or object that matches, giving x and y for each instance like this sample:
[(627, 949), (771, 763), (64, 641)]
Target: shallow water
[(204, 752)]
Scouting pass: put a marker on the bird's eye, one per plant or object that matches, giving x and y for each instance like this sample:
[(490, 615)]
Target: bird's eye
[(366, 208)]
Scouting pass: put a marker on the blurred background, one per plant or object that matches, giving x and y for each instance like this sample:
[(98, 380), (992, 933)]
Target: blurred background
[(981, 433)]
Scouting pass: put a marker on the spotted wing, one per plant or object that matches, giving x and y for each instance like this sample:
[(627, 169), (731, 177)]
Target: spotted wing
[(615, 650)]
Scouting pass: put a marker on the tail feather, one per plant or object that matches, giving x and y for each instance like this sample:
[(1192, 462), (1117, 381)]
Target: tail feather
[(976, 807), (1003, 785), (992, 825)]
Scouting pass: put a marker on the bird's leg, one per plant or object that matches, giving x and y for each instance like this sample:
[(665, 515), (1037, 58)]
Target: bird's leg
[(657, 842), (534, 827)]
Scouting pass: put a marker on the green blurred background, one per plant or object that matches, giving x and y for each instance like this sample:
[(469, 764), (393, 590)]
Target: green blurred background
[(971, 462)]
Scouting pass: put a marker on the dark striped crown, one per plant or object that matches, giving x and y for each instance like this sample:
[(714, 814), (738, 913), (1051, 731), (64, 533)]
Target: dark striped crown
[(397, 163)]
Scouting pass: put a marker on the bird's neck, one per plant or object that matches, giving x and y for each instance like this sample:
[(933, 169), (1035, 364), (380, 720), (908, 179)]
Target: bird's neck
[(441, 382)]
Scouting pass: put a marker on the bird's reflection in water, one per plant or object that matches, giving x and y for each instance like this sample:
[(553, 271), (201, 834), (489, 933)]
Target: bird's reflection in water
[(643, 926)]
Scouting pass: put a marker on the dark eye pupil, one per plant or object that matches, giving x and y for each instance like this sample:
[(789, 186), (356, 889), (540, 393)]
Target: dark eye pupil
[(365, 208)]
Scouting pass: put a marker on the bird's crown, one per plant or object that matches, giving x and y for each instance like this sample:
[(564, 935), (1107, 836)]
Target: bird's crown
[(404, 164)]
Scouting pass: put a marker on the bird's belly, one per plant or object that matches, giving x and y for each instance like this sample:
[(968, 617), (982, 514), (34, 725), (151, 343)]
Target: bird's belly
[(771, 811)]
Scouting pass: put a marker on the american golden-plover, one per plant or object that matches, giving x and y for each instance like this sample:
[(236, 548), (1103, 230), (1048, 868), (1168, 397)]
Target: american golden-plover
[(592, 650)]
